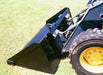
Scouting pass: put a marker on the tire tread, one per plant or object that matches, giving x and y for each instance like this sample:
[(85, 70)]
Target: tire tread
[(84, 36)]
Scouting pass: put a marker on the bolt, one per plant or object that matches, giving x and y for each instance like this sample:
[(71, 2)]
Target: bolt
[(100, 51), (94, 50), (89, 52), (88, 56)]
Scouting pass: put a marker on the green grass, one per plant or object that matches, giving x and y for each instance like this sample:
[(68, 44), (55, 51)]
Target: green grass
[(20, 20)]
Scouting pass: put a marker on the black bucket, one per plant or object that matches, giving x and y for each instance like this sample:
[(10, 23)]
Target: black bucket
[(44, 51), (34, 57)]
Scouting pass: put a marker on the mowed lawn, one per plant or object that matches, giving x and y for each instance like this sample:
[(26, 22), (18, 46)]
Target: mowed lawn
[(20, 20)]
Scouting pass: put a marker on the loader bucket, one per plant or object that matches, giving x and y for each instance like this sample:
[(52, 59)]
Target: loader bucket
[(37, 55), (34, 57), (43, 51)]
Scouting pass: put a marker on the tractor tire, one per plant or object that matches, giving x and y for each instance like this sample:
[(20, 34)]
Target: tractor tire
[(86, 52)]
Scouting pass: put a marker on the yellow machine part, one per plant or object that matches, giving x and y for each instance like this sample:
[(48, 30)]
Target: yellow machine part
[(91, 59)]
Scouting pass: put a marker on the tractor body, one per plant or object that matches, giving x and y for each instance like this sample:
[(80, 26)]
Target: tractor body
[(54, 40)]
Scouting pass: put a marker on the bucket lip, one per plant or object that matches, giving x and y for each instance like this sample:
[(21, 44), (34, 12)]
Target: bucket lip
[(11, 61)]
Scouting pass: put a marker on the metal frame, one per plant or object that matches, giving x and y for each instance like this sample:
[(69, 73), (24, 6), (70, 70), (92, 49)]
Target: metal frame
[(91, 20)]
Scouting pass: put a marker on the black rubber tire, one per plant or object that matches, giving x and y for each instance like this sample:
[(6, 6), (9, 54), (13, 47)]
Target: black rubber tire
[(85, 39)]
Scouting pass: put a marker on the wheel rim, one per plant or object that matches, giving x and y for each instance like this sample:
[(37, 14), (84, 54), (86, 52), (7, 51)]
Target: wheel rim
[(91, 59)]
